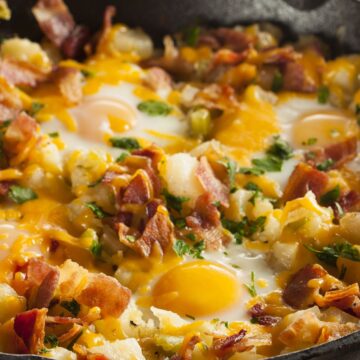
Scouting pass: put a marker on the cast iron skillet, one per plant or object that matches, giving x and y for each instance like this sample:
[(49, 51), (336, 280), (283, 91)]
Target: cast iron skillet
[(336, 20)]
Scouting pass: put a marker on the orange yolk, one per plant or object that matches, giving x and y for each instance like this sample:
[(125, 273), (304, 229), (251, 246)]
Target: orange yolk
[(328, 127), (197, 288)]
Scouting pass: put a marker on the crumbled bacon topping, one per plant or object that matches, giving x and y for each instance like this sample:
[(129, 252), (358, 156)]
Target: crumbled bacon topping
[(230, 344), (29, 327), (297, 293), (303, 179)]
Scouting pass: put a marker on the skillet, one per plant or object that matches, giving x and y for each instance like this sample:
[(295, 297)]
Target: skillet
[(335, 20)]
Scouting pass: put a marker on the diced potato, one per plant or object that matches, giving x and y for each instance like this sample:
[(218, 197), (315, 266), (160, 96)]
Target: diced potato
[(26, 51), (239, 202), (349, 227), (179, 174), (128, 349), (60, 353), (284, 255), (10, 303)]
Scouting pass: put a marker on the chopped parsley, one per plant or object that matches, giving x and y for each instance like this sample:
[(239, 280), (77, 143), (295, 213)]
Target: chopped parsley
[(179, 223), (310, 141), (122, 156), (72, 307), (269, 163), (330, 197), (52, 340), (257, 191), (126, 143), (181, 248), (251, 287), (191, 36), (174, 202), (130, 238), (97, 210), (278, 82), (54, 134), (154, 108), (323, 94), (231, 169), (244, 228), (21, 194), (88, 73), (330, 254), (280, 149), (96, 248), (251, 171), (35, 108), (325, 165), (44, 350)]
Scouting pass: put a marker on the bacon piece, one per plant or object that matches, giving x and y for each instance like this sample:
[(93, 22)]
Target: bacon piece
[(230, 344), (232, 39), (138, 191), (54, 19), (187, 348), (18, 133), (106, 293), (69, 81), (209, 41), (211, 184), (158, 79), (4, 187), (62, 320), (304, 178), (158, 230), (340, 153), (29, 327), (46, 290), (205, 221), (295, 79), (297, 293), (229, 57), (258, 313), (73, 46), (349, 200), (278, 56), (17, 74)]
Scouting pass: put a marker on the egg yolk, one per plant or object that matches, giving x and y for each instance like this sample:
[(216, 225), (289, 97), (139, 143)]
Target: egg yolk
[(326, 128), (197, 288)]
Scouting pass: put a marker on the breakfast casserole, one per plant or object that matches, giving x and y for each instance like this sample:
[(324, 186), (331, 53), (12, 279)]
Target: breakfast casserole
[(196, 200)]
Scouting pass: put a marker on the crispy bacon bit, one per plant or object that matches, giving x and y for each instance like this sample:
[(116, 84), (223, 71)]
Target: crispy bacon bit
[(19, 132), (349, 200), (303, 179), (229, 57), (278, 56), (69, 82), (159, 230), (211, 184), (106, 293), (342, 152), (187, 348), (230, 344), (205, 221), (297, 293), (158, 79), (62, 320), (29, 327), (259, 315), (295, 79), (17, 74), (73, 46), (138, 191), (4, 187), (71, 334), (232, 39), (54, 19), (46, 290)]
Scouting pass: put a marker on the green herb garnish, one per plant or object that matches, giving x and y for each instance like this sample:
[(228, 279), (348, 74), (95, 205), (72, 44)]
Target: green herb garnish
[(126, 143), (174, 202), (278, 82), (21, 194), (330, 197), (154, 108), (191, 36), (54, 134), (97, 210), (310, 141), (251, 287), (330, 254), (325, 165), (323, 94), (35, 108), (72, 307), (96, 248), (181, 248), (52, 340)]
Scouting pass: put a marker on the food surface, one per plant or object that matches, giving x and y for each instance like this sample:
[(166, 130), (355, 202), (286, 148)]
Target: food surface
[(198, 201)]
